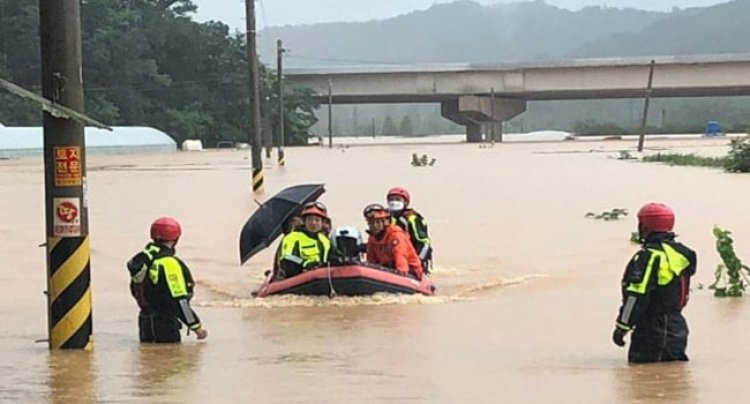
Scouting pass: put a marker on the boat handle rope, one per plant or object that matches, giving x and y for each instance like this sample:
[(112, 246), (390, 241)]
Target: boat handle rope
[(333, 293)]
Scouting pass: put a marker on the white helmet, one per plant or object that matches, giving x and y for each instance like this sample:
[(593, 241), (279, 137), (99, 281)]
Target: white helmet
[(346, 241)]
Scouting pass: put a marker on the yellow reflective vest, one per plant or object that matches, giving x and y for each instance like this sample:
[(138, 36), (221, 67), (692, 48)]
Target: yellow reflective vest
[(656, 280), (171, 288), (301, 251)]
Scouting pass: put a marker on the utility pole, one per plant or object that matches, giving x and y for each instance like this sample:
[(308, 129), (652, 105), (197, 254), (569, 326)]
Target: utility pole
[(67, 228), (646, 104), (282, 119), (255, 124), (267, 135), (2, 33), (355, 118), (330, 113), (492, 113)]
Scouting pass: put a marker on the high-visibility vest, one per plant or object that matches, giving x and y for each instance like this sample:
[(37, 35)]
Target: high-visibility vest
[(298, 247)]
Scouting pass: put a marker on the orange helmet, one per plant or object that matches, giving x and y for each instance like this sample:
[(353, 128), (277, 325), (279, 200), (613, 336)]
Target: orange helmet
[(166, 229), (315, 204), (399, 191), (376, 211), (656, 217), (315, 211)]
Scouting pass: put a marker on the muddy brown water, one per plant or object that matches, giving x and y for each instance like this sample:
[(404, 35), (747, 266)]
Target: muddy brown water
[(528, 288)]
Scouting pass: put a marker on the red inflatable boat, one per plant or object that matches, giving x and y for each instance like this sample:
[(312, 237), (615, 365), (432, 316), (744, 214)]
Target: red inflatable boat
[(347, 280)]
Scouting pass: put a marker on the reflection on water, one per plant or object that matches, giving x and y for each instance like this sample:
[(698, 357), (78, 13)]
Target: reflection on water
[(669, 382), (72, 378), (731, 310), (164, 372)]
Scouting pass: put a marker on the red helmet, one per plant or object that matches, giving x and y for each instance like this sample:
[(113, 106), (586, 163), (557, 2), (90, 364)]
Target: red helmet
[(656, 217), (376, 211), (399, 191), (314, 210), (166, 229)]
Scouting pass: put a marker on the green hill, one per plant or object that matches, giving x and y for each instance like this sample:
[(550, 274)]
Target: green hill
[(458, 32)]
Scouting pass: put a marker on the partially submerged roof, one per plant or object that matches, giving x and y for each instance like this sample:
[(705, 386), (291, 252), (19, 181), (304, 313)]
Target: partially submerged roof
[(24, 141)]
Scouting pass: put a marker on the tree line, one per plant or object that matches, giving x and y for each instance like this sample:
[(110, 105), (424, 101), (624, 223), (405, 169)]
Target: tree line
[(147, 63)]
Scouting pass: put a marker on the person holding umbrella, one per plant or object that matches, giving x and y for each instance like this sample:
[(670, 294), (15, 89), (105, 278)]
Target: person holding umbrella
[(326, 221), (295, 223), (307, 247), (274, 217), (292, 224)]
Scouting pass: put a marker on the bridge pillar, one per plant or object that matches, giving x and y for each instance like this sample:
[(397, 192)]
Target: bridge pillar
[(494, 131), (471, 111), (473, 132)]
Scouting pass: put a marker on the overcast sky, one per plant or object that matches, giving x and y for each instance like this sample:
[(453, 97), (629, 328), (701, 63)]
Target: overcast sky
[(282, 12)]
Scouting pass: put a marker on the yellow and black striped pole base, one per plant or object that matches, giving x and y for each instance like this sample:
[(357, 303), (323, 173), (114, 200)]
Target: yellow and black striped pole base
[(281, 157), (258, 180), (69, 293)]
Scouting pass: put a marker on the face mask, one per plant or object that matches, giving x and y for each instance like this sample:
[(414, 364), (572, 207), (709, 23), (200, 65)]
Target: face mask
[(396, 206)]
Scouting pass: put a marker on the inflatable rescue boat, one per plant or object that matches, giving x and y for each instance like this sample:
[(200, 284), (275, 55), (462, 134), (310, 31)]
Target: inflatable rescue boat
[(356, 279)]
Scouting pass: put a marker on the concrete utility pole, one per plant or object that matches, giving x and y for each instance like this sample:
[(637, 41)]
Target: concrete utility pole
[(280, 76), (492, 114), (255, 124), (330, 113), (646, 104), (66, 205), (268, 137)]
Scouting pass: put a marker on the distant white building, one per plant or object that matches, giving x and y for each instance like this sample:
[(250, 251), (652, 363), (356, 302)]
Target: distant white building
[(29, 141)]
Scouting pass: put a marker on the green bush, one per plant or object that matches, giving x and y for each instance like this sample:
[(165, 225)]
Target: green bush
[(729, 278), (738, 159)]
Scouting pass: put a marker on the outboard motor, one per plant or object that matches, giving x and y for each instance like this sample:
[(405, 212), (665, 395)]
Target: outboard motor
[(346, 245)]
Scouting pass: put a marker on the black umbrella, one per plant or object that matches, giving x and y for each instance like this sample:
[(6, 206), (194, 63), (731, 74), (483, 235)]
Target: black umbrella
[(266, 223)]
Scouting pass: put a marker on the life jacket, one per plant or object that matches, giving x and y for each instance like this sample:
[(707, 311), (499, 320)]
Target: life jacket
[(656, 280), (415, 225), (302, 249), (393, 249), (138, 267)]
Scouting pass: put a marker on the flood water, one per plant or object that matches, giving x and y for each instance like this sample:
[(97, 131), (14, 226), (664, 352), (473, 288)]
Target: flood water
[(528, 288)]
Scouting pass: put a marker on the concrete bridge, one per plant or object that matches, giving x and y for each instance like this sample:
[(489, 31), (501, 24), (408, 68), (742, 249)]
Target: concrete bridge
[(477, 94)]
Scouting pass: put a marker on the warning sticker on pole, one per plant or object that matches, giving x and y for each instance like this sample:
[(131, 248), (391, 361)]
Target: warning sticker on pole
[(68, 166), (67, 218)]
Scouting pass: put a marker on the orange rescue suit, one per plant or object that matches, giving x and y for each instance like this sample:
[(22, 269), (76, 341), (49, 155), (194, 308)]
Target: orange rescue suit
[(393, 249)]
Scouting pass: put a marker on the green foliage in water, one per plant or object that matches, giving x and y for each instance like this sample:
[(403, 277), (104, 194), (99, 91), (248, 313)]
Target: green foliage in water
[(738, 159), (676, 159), (613, 214), (729, 279)]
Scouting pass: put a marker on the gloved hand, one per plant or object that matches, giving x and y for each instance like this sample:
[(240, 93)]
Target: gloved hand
[(201, 333), (618, 336)]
